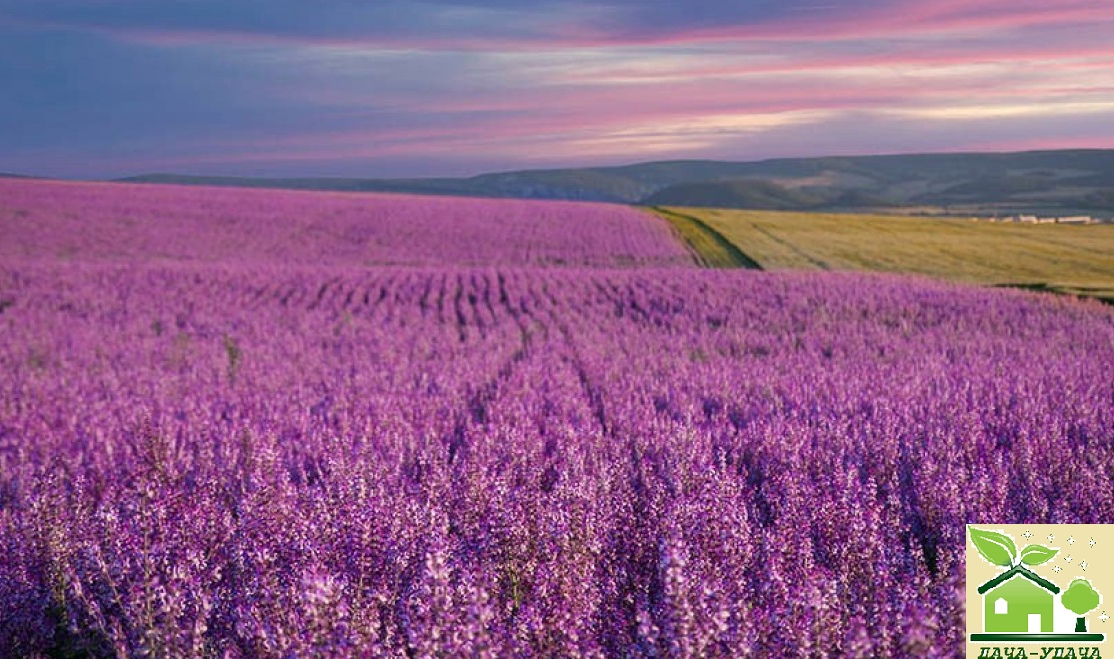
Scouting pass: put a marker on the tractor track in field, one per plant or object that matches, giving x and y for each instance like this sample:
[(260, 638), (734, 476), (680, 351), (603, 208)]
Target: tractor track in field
[(820, 265)]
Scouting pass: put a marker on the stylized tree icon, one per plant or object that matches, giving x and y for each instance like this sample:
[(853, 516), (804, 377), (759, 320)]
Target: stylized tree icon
[(999, 549), (1080, 597)]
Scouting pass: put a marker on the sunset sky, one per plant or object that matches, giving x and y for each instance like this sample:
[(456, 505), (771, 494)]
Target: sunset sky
[(104, 88)]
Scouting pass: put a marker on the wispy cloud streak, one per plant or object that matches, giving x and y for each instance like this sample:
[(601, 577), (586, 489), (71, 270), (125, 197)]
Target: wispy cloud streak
[(454, 86)]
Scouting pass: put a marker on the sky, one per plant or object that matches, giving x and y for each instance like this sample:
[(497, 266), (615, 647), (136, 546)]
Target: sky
[(402, 88)]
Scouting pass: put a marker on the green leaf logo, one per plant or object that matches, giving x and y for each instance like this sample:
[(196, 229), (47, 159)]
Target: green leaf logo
[(995, 547), (1037, 554)]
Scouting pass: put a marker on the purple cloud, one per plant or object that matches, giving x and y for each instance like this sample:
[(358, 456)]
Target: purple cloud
[(450, 87)]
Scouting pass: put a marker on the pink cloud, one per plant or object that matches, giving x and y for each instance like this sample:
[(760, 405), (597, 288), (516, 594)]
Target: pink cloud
[(545, 91)]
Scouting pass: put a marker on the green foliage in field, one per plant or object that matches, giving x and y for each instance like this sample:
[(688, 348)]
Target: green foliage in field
[(1064, 258), (711, 249)]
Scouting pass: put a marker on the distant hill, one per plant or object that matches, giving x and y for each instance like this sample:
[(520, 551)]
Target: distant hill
[(627, 184), (743, 193), (760, 194), (1069, 181), (1040, 182)]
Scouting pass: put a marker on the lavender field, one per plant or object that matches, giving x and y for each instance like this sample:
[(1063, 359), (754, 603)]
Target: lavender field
[(251, 451), (68, 221)]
